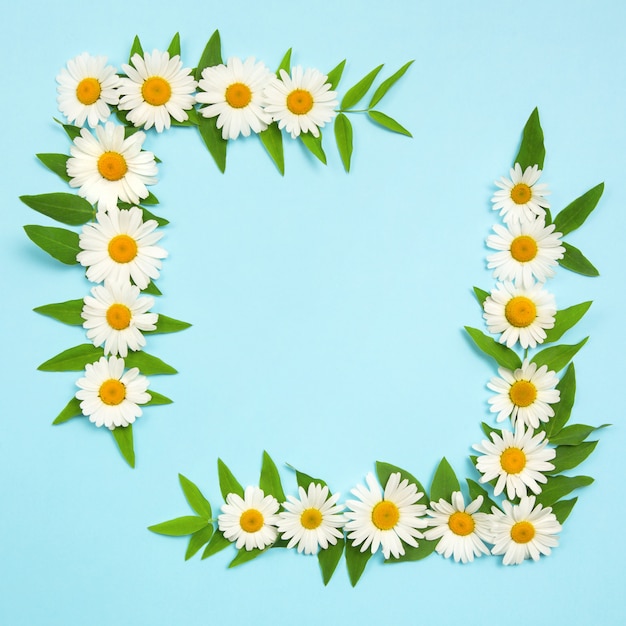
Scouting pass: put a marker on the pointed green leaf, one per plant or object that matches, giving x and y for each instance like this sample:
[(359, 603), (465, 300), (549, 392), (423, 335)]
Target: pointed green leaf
[(174, 47), (195, 498), (356, 562), (212, 55), (213, 140), (334, 76), (425, 548), (180, 526), (566, 319), (66, 208), (313, 145), (569, 457), (217, 544), (557, 357), (148, 365), (59, 243), (355, 93), (228, 482), (71, 410), (157, 398), (563, 508), (197, 540), (329, 559), (70, 130), (559, 486), (388, 122), (574, 434), (285, 63), (384, 471), (245, 556), (68, 312), (387, 84), (270, 479), (272, 139), (503, 356), (575, 261), (56, 163), (445, 482), (147, 215), (481, 296), (563, 408), (304, 480), (152, 290), (135, 48), (489, 429), (574, 215), (167, 324), (532, 150), (476, 490), (73, 359), (343, 137), (123, 437)]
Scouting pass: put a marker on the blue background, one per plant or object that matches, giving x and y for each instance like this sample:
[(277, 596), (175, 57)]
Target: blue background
[(327, 311)]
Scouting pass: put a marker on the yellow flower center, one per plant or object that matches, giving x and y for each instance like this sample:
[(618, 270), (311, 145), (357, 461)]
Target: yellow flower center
[(522, 393), (156, 91), (521, 193), (88, 90), (112, 392), (112, 165), (122, 248), (300, 101), (385, 515), (524, 248), (522, 532), (251, 521), (118, 316), (311, 518), (520, 311), (513, 460), (461, 523), (238, 95)]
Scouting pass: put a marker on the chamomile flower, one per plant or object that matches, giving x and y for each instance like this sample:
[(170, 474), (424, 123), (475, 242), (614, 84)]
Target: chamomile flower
[(249, 521), (523, 531), (302, 102), (524, 394), (234, 93), (520, 198), (460, 529), (378, 520), (312, 522), (115, 314), (108, 167), (516, 459), (519, 314), (156, 89), (109, 396), (86, 89), (527, 251), (120, 246)]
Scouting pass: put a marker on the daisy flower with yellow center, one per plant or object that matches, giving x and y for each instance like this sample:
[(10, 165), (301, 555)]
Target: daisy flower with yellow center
[(115, 315), (524, 394), (108, 167), (120, 246), (460, 529), (302, 102), (526, 251), (523, 531), (520, 198), (516, 459), (519, 314), (109, 396), (156, 89), (384, 521), (234, 94), (86, 89), (312, 522), (249, 521)]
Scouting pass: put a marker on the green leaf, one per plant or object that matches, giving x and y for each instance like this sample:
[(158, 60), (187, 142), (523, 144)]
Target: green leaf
[(212, 55), (334, 76), (386, 85), (217, 544), (575, 434), (388, 122), (59, 243), (135, 48), (147, 215), (569, 457), (329, 559), (425, 548), (445, 482), (270, 479), (575, 261), (476, 490), (71, 410), (313, 145), (197, 540), (228, 482), (557, 357), (481, 295), (70, 130), (285, 63), (195, 498), (574, 215), (157, 398), (213, 140), (356, 562), (566, 319), (66, 208), (148, 364), (56, 163), (180, 526), (563, 508), (244, 556), (559, 486), (73, 359), (343, 137), (532, 150), (489, 429), (68, 312), (304, 480), (563, 408), (151, 200), (123, 437), (174, 47), (167, 324), (355, 93), (384, 471), (272, 139), (152, 290), (503, 356)]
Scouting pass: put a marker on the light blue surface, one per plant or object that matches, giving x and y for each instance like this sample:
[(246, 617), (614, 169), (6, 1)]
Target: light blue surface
[(327, 312)]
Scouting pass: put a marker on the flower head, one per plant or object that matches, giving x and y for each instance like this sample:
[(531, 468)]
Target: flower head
[(86, 89), (109, 396), (520, 198)]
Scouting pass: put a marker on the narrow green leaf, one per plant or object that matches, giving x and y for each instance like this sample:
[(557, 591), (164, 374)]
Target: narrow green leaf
[(559, 486), (425, 548), (212, 55), (245, 556), (59, 243), (574, 434), (566, 319), (195, 498), (123, 437), (388, 122), (285, 63), (387, 84), (197, 540), (272, 139), (355, 93), (72, 131), (334, 76), (157, 398), (71, 410), (557, 357), (66, 208), (304, 480), (569, 457), (489, 429), (343, 137), (574, 215), (152, 290), (313, 145), (213, 140), (56, 163), (476, 490), (503, 356), (150, 200), (532, 150), (180, 526), (167, 324), (445, 482), (135, 48), (174, 47), (148, 364), (270, 478), (217, 544), (575, 261), (147, 215), (481, 296), (68, 312), (228, 482), (73, 359), (329, 559), (563, 408), (563, 508), (356, 562), (384, 471)]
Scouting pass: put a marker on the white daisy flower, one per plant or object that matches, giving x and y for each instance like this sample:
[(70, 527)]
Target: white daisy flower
[(86, 88), (107, 168), (115, 315), (460, 529), (519, 314), (314, 521), (516, 459), (302, 102), (109, 396), (527, 251), (520, 198), (234, 93), (157, 89), (524, 394), (385, 521), (523, 531), (120, 246), (251, 520)]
